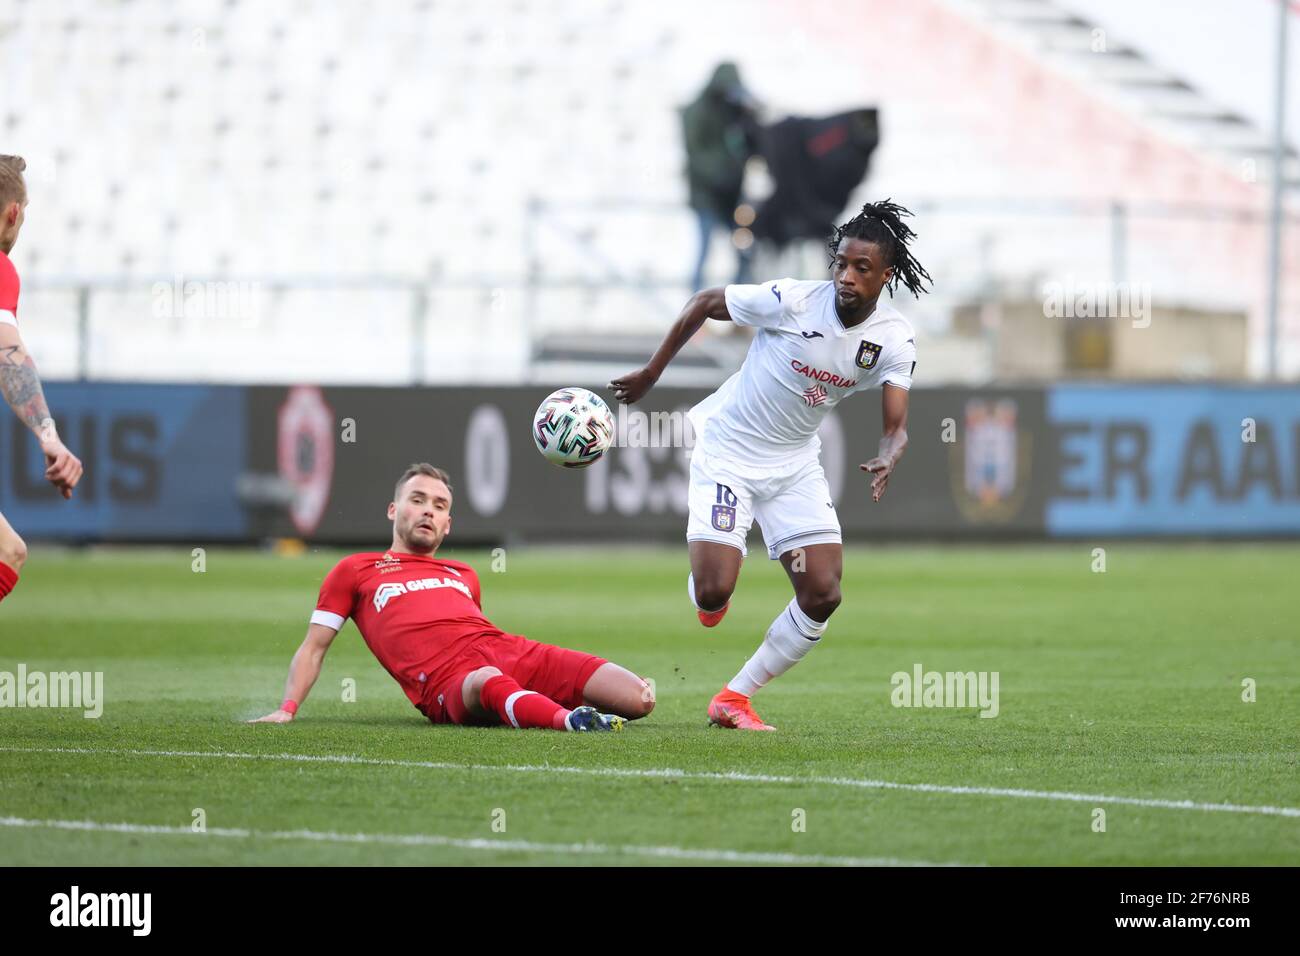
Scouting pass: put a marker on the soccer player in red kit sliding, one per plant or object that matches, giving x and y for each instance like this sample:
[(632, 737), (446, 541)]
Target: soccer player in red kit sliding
[(422, 617), (19, 383)]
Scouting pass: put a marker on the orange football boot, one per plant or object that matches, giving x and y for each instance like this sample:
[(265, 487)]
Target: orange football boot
[(711, 618), (729, 709)]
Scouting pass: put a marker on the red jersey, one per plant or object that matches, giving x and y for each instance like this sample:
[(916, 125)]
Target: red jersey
[(8, 291), (417, 613)]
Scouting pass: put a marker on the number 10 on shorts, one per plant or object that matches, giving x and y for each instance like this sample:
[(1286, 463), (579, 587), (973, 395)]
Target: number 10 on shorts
[(724, 512)]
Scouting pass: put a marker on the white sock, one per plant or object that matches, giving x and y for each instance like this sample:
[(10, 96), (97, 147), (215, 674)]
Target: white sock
[(792, 635), (690, 589)]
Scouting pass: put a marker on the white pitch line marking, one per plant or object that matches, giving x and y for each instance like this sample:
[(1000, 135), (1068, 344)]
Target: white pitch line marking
[(501, 846), (733, 776)]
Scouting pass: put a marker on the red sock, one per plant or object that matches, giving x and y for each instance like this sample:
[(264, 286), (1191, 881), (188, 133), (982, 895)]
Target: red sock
[(8, 579), (521, 708)]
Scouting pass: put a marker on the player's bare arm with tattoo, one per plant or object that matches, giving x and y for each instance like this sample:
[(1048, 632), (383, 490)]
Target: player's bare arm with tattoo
[(21, 388)]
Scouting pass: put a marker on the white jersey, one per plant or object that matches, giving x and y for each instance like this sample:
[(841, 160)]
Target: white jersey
[(801, 364)]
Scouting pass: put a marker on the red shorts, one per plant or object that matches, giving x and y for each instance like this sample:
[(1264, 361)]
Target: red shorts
[(554, 672)]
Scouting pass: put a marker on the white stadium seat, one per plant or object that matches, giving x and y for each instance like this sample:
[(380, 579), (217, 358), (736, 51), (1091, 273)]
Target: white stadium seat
[(329, 144)]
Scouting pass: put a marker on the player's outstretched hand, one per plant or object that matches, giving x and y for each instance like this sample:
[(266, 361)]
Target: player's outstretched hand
[(279, 717), (633, 386), (881, 468), (62, 467)]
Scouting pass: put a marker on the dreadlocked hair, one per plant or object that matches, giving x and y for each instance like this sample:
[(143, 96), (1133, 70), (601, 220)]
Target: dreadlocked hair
[(882, 223)]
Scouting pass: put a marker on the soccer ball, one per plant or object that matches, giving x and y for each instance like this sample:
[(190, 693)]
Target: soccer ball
[(573, 427)]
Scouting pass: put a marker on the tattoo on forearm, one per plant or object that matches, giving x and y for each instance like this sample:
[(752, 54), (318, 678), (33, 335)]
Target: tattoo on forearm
[(21, 387)]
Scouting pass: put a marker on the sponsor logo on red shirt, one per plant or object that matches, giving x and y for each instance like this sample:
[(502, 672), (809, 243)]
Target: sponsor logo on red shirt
[(391, 589)]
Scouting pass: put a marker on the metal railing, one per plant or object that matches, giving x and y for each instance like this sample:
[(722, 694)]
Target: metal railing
[(517, 312)]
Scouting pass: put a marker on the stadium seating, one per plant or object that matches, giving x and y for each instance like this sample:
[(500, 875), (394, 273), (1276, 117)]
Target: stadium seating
[(518, 167)]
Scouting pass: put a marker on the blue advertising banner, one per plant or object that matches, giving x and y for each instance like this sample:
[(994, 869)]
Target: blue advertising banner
[(161, 461), (1175, 460)]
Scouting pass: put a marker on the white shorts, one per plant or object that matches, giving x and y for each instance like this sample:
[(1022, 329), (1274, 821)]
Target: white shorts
[(793, 509)]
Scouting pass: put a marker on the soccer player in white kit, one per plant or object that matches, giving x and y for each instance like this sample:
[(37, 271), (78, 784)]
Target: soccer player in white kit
[(756, 452)]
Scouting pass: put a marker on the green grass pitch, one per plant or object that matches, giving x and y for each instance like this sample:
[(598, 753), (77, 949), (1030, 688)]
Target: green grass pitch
[(1114, 687)]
